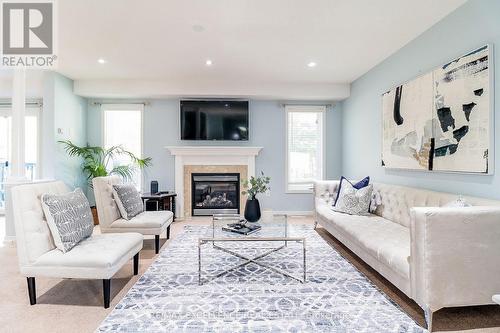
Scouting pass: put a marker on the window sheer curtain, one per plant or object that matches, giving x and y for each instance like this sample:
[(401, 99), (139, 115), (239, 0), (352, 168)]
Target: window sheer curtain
[(305, 146), (123, 126)]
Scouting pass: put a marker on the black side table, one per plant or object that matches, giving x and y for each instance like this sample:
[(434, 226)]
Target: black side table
[(162, 201)]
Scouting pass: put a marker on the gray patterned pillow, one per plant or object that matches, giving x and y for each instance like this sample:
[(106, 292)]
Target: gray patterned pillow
[(353, 201), (69, 218), (128, 200)]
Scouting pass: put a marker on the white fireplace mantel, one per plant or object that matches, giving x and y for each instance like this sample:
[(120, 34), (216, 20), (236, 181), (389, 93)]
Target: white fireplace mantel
[(213, 150), (208, 155)]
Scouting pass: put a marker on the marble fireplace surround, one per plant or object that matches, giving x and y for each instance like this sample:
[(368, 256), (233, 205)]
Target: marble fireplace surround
[(190, 169), (200, 159)]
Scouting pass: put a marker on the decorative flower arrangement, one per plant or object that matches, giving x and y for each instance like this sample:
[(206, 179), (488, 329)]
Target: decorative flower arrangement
[(256, 185)]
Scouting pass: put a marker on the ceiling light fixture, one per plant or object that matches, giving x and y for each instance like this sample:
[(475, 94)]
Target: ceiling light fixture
[(101, 61), (198, 28), (311, 64), (208, 62)]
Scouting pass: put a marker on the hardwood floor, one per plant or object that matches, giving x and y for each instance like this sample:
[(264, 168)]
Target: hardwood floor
[(449, 319)]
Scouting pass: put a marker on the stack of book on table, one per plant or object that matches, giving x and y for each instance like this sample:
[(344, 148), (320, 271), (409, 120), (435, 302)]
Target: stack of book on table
[(242, 227)]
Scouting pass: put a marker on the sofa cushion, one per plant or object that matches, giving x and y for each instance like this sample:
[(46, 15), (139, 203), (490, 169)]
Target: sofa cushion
[(326, 190), (385, 240), (460, 202), (351, 200), (128, 200), (69, 218), (145, 220), (396, 201), (98, 251), (362, 183)]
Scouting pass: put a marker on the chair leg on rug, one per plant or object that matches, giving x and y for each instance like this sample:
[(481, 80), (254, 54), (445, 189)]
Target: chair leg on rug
[(31, 290), (315, 224), (428, 318), (136, 264), (157, 244), (168, 232), (106, 288)]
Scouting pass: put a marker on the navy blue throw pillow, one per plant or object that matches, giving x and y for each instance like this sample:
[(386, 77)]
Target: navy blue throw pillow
[(362, 183)]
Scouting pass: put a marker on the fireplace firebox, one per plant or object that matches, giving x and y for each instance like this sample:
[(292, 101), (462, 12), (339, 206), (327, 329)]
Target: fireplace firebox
[(215, 193)]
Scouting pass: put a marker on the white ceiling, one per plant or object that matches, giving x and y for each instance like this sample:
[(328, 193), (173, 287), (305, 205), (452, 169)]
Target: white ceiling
[(252, 43), (34, 83)]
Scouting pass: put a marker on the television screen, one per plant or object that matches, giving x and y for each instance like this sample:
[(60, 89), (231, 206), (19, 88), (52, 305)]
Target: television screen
[(214, 120)]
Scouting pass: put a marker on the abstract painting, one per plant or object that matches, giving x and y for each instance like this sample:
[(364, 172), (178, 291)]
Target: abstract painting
[(407, 124), (442, 120)]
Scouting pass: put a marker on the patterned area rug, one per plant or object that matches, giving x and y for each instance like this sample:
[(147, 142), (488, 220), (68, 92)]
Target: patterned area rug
[(335, 298)]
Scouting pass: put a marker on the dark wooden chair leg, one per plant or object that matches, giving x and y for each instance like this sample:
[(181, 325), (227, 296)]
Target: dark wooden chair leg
[(168, 232), (136, 264), (106, 288), (31, 290), (157, 244)]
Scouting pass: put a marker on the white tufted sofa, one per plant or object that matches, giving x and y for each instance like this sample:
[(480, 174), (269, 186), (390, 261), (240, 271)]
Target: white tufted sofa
[(97, 257), (438, 256)]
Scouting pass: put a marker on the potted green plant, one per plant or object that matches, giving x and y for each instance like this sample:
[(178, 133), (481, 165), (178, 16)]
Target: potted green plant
[(252, 187), (96, 162)]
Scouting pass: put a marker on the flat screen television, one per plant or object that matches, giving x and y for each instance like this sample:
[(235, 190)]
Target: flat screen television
[(214, 120)]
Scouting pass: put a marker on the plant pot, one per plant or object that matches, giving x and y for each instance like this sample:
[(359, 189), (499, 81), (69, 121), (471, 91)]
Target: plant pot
[(252, 210), (94, 215)]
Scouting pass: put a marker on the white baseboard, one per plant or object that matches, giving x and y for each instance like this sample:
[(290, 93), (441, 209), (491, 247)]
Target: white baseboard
[(264, 211), (294, 212), (9, 240)]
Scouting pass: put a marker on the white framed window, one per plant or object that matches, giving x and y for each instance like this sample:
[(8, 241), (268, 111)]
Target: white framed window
[(31, 146), (31, 141), (122, 125), (304, 146)]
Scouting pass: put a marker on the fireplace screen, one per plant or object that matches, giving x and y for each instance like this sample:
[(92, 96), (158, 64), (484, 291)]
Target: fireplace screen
[(215, 193)]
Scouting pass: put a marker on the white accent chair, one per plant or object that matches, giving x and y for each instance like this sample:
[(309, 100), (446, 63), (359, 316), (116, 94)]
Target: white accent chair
[(110, 220), (97, 257)]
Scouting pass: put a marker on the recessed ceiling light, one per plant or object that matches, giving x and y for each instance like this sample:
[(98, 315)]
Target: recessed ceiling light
[(101, 61), (311, 64), (198, 28), (208, 62)]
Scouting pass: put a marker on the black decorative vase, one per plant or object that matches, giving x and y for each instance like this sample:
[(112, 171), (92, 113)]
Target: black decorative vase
[(252, 210)]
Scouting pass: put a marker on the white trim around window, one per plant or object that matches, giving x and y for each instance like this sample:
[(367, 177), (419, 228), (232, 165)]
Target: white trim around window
[(305, 185)]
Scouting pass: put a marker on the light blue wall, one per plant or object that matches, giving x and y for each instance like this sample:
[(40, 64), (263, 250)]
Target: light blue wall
[(68, 112), (47, 121), (267, 130), (474, 24)]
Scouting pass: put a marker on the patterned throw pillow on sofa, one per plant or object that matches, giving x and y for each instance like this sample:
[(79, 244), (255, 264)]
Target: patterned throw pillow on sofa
[(460, 202), (362, 183), (69, 218), (128, 200), (352, 200)]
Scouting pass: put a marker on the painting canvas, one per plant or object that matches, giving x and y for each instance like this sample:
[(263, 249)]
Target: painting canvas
[(441, 120), (462, 110), (407, 115)]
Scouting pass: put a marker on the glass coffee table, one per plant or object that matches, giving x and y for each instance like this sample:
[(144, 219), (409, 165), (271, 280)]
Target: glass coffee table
[(271, 238)]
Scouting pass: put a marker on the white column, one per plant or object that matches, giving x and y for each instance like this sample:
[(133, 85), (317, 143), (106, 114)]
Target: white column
[(179, 186), (17, 162), (251, 166), (17, 159)]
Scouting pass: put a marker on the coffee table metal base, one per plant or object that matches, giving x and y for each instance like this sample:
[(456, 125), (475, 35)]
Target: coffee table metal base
[(254, 259)]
